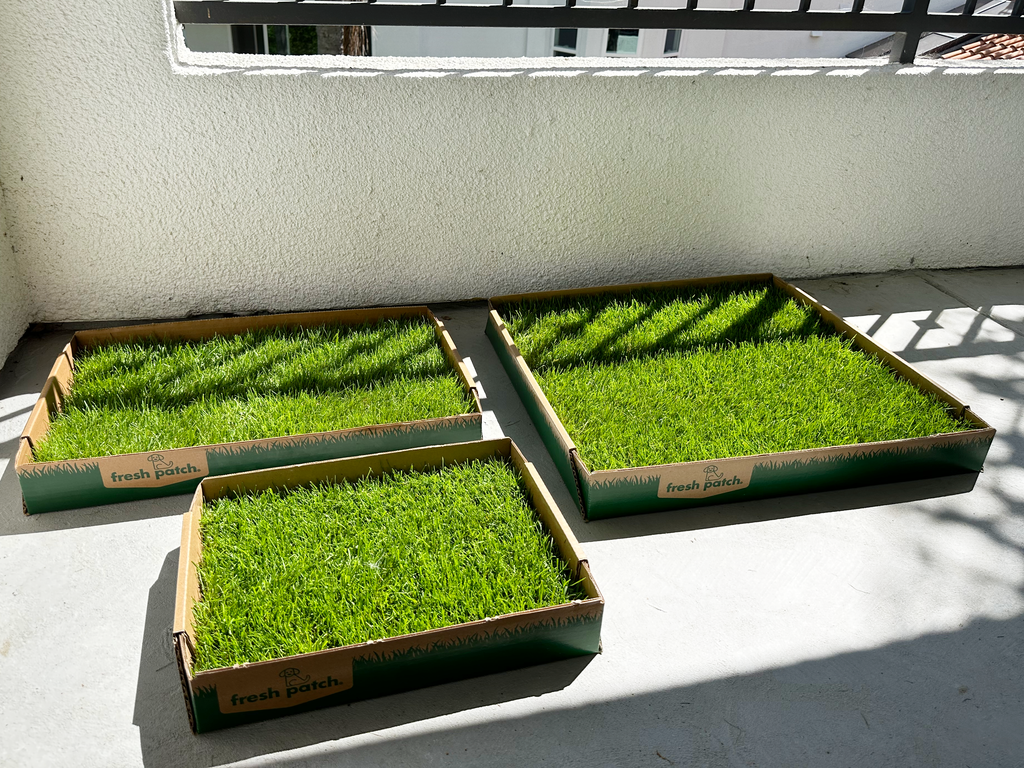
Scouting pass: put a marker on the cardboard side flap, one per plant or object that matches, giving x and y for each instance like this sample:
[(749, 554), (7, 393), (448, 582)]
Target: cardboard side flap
[(63, 368), (183, 656), (24, 456), (63, 372), (553, 422), (452, 353), (568, 546), (580, 474), (74, 348), (586, 578), (186, 595), (506, 337), (187, 592), (198, 330), (38, 423), (353, 468)]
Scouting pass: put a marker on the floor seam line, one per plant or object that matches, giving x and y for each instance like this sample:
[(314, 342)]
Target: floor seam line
[(967, 304)]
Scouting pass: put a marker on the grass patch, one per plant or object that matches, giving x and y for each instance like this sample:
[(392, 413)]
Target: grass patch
[(332, 565), (656, 377), (152, 395)]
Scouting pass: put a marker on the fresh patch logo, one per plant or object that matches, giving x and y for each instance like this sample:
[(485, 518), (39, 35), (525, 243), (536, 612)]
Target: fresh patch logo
[(153, 470), (295, 684), (698, 481), (243, 689)]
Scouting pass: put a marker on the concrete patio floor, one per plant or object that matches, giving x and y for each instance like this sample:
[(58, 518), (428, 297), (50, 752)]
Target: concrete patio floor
[(878, 627)]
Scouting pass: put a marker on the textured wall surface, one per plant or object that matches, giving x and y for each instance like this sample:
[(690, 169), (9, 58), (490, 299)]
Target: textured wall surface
[(14, 311), (139, 184)]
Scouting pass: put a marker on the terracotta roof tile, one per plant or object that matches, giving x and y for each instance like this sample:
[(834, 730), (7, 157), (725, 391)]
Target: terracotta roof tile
[(989, 48)]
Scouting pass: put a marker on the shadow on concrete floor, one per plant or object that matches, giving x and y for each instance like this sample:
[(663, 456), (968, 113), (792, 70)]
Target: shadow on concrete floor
[(166, 740), (848, 709), (871, 707), (875, 707)]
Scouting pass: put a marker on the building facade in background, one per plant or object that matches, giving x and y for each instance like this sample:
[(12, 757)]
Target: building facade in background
[(515, 43)]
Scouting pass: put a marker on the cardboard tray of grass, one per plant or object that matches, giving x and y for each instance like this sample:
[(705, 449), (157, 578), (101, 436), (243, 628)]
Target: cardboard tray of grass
[(275, 389), (320, 584), (670, 395)]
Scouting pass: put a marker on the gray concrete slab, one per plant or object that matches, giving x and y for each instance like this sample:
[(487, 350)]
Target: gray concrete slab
[(882, 626), (995, 293)]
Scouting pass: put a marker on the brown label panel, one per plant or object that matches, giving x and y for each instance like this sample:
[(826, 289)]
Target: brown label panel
[(279, 684), (706, 478), (153, 470)]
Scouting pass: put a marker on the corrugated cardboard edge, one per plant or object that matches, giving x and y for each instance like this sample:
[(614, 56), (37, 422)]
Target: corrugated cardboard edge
[(455, 359), (899, 366), (187, 592), (568, 546), (59, 380), (186, 596), (567, 446)]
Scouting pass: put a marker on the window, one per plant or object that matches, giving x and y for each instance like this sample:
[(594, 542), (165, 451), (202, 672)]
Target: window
[(565, 42), (672, 38), (247, 38), (623, 41), (278, 39)]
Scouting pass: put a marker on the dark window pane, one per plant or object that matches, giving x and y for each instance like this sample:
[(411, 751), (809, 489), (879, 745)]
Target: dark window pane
[(244, 38), (565, 38), (623, 40), (672, 40)]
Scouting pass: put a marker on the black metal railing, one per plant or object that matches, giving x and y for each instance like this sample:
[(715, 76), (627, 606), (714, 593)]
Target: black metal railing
[(908, 24)]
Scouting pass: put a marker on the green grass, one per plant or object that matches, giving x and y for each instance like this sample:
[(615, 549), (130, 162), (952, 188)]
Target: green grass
[(318, 568), (687, 375), (150, 395)]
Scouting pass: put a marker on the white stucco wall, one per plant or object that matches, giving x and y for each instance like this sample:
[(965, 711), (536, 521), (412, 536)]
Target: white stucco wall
[(14, 312), (139, 185)]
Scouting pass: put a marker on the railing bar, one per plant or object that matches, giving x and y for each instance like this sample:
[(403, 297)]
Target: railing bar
[(969, 8), (1018, 8), (910, 22), (748, 5), (858, 6)]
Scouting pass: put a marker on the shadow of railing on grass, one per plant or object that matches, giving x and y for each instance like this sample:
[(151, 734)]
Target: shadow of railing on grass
[(566, 344)]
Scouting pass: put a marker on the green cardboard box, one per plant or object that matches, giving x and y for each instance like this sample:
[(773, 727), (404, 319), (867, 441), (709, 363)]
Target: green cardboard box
[(55, 485), (222, 698), (614, 493)]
